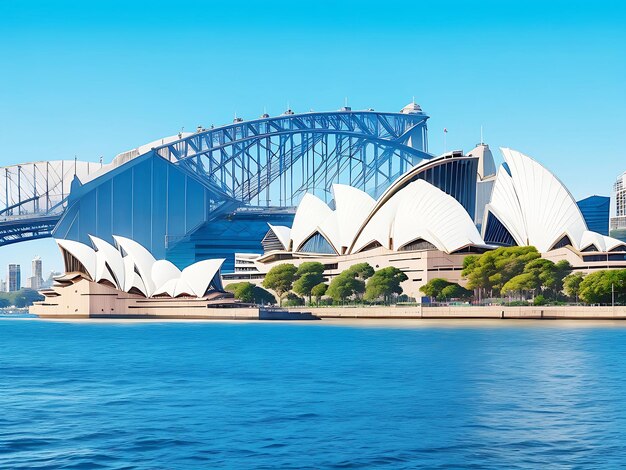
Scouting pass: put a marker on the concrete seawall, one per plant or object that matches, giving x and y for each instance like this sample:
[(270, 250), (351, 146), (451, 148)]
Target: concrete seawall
[(547, 313)]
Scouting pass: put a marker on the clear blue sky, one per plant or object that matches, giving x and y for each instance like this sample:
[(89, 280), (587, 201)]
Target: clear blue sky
[(99, 77)]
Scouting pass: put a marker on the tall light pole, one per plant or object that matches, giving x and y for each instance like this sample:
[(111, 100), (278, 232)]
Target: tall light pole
[(613, 294)]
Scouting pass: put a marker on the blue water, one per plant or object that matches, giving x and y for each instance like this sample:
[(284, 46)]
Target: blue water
[(211, 395)]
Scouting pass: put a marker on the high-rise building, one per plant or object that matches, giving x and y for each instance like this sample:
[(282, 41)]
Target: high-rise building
[(3, 285), (36, 279), (618, 222), (14, 280), (595, 210)]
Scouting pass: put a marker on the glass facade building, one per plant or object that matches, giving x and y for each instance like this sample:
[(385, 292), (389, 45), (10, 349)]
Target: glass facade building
[(595, 210)]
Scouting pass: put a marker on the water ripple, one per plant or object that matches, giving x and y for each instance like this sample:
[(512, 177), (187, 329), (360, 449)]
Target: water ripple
[(152, 396)]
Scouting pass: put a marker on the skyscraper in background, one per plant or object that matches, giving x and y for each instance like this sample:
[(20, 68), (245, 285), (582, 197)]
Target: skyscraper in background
[(618, 222), (36, 279), (596, 210), (14, 280)]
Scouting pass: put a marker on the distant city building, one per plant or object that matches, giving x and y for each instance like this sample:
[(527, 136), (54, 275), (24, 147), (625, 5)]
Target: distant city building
[(14, 280), (36, 279), (3, 285), (50, 279), (618, 222), (595, 210)]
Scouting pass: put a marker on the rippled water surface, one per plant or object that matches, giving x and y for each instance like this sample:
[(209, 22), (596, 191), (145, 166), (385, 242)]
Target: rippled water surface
[(207, 395)]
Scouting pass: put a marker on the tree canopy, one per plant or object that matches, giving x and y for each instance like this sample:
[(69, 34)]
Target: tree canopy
[(384, 283), (308, 275), (442, 289), (345, 285), (598, 287), (571, 284), (493, 269), (249, 293), (319, 291), (280, 279), (539, 275)]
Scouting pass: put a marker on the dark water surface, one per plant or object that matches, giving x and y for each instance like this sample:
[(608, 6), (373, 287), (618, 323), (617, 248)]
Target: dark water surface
[(207, 395)]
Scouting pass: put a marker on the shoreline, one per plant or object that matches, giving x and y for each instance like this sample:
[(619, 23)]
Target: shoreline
[(400, 323)]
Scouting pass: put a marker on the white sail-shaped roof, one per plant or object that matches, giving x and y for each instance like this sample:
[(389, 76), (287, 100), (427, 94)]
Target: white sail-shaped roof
[(200, 275), (599, 242), (194, 280), (139, 271), (420, 211), (282, 233), (108, 258), (312, 215), (352, 206), (533, 204), (132, 279), (83, 253), (164, 271), (142, 259)]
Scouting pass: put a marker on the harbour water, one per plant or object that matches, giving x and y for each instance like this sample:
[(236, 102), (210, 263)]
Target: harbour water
[(270, 395)]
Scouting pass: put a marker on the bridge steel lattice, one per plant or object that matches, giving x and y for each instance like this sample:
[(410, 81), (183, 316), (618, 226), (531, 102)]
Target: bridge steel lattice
[(33, 197), (274, 161)]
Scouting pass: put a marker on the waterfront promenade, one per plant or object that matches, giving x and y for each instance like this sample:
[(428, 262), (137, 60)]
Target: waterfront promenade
[(580, 312), (375, 312)]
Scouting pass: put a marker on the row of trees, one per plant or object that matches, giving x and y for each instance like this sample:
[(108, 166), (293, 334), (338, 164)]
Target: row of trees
[(515, 272), (360, 281), (601, 287), (521, 273)]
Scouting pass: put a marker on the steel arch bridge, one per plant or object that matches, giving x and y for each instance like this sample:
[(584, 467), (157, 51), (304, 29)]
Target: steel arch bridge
[(274, 161), (267, 162)]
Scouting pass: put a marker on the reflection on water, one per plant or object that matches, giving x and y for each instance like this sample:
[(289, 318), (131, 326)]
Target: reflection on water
[(179, 395)]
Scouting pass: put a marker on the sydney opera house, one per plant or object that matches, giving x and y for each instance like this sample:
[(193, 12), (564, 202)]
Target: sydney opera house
[(124, 278), (339, 187), (426, 232)]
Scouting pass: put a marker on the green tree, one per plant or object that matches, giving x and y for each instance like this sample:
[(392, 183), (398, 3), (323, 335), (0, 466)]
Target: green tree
[(308, 275), (345, 285), (243, 291), (521, 283), (362, 271), (571, 284), (310, 267), (280, 279), (489, 272), (249, 293), (384, 283), (599, 287), (319, 291), (455, 291), (434, 287), (293, 300)]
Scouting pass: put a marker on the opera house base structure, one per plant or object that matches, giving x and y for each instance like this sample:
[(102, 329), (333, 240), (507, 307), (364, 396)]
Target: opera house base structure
[(126, 281), (74, 296)]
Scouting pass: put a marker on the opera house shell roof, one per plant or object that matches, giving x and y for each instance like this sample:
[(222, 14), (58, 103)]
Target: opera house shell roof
[(131, 268), (530, 206), (414, 213)]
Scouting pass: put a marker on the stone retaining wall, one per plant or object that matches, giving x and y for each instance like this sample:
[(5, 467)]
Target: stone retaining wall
[(569, 312)]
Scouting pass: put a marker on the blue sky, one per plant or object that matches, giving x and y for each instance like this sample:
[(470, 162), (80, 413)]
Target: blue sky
[(96, 78)]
